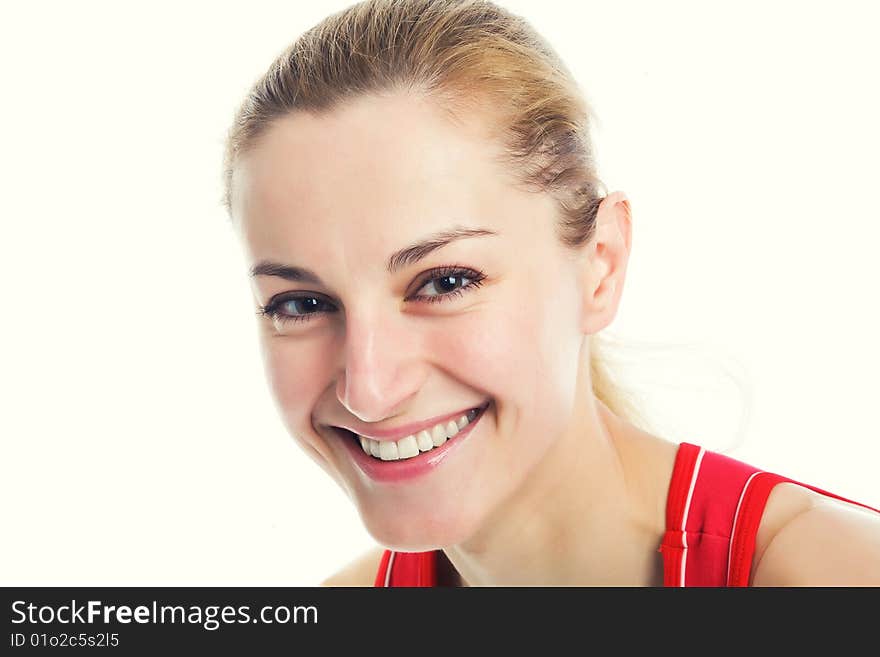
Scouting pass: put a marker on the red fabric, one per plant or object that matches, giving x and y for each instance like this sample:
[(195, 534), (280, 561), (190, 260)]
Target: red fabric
[(672, 545), (383, 567), (695, 550), (727, 500), (408, 569)]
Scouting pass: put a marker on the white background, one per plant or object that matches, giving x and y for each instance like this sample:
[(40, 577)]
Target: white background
[(140, 445)]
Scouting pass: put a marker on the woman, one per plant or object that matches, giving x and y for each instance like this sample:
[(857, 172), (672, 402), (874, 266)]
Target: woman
[(434, 258)]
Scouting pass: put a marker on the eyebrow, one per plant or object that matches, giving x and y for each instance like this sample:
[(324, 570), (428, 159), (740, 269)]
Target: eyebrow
[(398, 260)]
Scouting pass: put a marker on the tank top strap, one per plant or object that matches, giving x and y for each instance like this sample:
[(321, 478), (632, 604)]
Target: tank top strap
[(673, 547), (384, 572), (748, 517), (704, 490), (407, 569)]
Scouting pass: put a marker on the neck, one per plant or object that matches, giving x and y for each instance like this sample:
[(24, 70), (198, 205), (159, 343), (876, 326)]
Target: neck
[(592, 512)]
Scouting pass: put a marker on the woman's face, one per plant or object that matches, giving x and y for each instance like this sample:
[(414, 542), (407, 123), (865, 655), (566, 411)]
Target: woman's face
[(371, 349)]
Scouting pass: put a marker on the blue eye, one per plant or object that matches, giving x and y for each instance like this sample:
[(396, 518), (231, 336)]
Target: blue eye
[(449, 282)]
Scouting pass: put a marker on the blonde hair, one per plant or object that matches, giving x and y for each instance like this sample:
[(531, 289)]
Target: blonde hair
[(464, 55)]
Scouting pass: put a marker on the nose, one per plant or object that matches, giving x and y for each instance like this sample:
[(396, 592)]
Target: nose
[(380, 369)]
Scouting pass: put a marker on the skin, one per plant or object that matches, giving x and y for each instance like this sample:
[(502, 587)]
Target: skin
[(549, 470)]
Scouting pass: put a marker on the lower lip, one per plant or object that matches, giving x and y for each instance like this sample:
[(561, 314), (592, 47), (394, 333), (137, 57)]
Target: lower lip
[(406, 469)]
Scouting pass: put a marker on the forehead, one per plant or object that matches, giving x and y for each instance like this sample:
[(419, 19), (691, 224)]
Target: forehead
[(378, 168)]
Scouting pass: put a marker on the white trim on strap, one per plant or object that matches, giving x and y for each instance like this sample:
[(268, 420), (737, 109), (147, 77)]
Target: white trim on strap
[(735, 520), (684, 517), (388, 569)]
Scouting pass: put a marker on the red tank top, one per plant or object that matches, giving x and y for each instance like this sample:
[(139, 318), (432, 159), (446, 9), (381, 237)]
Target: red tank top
[(713, 509)]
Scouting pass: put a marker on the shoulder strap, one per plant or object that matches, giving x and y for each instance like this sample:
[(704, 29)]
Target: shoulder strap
[(383, 575), (407, 569), (702, 500), (748, 516), (673, 547)]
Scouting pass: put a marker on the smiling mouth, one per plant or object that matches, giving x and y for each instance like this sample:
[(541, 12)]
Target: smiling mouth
[(416, 444)]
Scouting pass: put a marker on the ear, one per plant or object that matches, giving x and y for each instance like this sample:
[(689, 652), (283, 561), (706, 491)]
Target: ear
[(604, 263)]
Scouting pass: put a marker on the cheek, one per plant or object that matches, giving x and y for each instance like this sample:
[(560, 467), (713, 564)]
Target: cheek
[(526, 349), (296, 370), (524, 344), (472, 349)]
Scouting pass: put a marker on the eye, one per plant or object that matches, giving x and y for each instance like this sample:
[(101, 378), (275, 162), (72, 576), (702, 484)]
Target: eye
[(447, 282), (292, 309)]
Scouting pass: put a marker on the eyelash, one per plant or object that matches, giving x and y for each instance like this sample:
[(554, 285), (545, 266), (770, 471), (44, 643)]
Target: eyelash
[(476, 278)]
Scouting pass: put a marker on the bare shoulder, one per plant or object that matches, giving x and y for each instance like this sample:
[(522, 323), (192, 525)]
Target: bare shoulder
[(361, 571), (809, 539)]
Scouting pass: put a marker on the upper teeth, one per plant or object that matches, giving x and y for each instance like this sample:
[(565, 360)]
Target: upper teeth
[(423, 441)]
